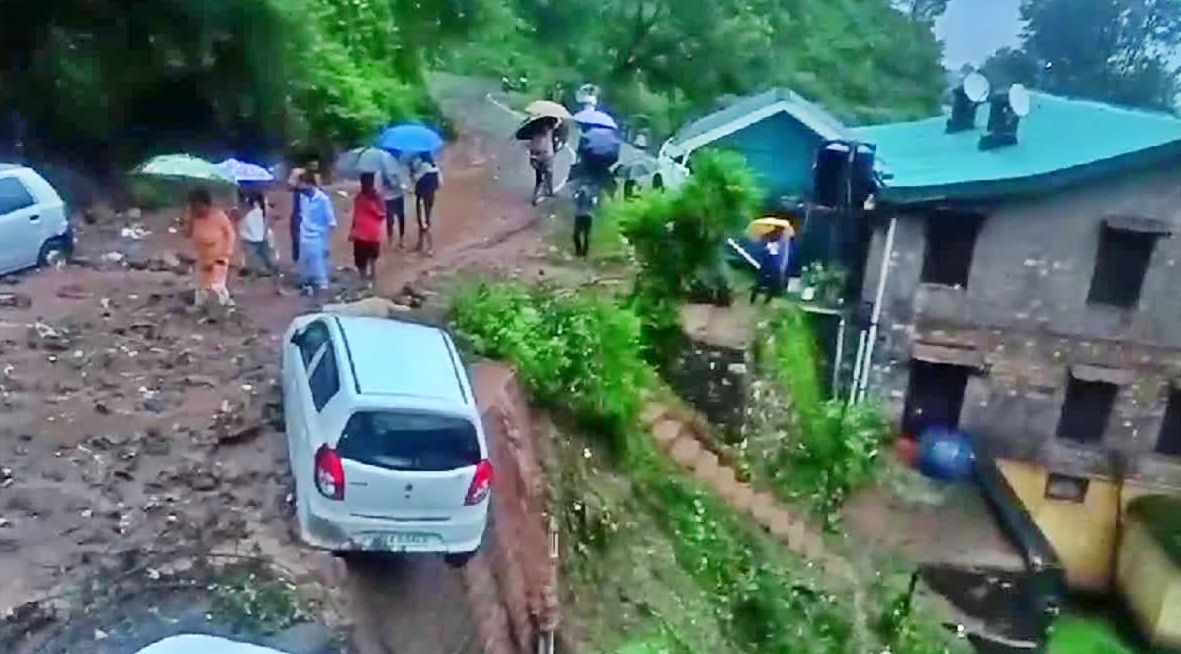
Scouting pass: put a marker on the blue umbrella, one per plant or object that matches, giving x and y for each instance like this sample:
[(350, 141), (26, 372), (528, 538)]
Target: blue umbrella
[(595, 118), (245, 172), (410, 138)]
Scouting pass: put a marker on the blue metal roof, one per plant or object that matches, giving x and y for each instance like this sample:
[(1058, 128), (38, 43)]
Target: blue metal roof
[(1062, 140), (394, 357)]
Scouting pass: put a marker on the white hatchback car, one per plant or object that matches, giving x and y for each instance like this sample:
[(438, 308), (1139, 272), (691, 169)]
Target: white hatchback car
[(385, 438), (34, 223)]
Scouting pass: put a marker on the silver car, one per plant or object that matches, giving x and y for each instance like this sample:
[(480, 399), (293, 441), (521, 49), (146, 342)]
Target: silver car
[(34, 223)]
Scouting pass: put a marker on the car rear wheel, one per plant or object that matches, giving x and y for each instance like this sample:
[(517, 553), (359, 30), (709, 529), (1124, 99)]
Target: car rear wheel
[(54, 253), (458, 559)]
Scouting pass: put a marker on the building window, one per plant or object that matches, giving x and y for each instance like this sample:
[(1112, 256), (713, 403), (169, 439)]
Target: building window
[(1066, 487), (1120, 266), (1086, 410), (951, 239), (1169, 440)]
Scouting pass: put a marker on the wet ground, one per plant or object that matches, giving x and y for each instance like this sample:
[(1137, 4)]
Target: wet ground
[(133, 423)]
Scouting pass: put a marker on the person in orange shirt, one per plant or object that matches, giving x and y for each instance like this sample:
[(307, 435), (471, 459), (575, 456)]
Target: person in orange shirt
[(213, 237), (368, 224)]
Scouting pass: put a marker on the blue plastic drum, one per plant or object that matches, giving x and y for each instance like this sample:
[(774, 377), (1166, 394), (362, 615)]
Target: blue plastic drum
[(946, 454)]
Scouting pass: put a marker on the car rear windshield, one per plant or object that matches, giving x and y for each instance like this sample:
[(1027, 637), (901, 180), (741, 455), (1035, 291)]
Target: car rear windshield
[(409, 441)]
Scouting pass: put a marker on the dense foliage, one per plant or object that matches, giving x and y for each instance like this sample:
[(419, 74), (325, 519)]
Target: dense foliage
[(108, 82), (1112, 50), (578, 356), (675, 234), (662, 61), (574, 351)]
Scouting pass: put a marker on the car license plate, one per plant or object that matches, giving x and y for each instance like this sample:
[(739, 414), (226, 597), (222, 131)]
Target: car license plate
[(410, 538)]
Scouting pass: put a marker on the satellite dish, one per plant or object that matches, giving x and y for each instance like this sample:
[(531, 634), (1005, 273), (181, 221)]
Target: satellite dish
[(1019, 100), (976, 87)]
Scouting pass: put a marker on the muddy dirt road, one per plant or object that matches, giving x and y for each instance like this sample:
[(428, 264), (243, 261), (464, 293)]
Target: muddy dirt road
[(136, 430)]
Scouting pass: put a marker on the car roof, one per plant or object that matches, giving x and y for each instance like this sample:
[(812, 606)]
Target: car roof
[(397, 357), (6, 166)]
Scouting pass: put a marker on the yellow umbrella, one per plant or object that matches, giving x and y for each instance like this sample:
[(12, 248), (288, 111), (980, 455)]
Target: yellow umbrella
[(547, 108), (763, 226)]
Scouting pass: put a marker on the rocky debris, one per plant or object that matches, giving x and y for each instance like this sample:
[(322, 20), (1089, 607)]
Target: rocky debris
[(166, 261), (371, 307), (43, 337), (15, 301)]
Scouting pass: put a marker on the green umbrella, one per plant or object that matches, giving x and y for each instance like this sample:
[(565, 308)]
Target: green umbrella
[(184, 167)]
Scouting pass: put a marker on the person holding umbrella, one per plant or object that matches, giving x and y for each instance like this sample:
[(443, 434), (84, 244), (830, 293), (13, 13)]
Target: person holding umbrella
[(419, 142), (545, 130), (776, 235)]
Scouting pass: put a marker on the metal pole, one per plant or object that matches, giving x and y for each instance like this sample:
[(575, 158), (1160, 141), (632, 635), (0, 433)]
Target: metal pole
[(836, 364), (871, 340)]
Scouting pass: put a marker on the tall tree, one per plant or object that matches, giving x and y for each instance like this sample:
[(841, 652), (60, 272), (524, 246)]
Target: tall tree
[(1111, 50), (925, 11)]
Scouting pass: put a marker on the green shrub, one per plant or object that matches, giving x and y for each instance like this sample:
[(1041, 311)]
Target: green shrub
[(675, 236), (833, 447), (578, 353)]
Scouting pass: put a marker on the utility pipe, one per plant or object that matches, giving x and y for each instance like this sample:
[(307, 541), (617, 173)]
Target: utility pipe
[(836, 365), (871, 340), (857, 367)]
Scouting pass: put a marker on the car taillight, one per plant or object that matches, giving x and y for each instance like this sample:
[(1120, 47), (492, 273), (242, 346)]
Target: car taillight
[(481, 484), (329, 473)]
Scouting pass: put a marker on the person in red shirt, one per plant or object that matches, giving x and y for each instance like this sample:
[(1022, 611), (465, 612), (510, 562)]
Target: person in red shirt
[(368, 227)]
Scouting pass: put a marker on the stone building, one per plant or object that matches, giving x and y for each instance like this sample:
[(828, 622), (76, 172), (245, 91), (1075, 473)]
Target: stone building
[(1033, 298)]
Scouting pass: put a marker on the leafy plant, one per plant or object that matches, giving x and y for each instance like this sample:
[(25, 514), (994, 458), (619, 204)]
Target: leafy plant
[(675, 236), (828, 282), (832, 447), (580, 353), (254, 602)]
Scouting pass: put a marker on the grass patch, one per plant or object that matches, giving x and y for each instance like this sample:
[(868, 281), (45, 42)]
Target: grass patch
[(250, 599), (1077, 635), (624, 588), (608, 247)]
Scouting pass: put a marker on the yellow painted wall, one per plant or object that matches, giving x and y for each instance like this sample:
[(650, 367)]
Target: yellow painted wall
[(1083, 533), (1151, 584)]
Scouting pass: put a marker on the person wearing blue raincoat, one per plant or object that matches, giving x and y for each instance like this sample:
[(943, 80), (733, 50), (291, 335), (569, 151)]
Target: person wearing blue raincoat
[(317, 220), (773, 264)]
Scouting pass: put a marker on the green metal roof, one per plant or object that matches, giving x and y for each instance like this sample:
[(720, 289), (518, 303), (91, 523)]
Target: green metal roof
[(1061, 141)]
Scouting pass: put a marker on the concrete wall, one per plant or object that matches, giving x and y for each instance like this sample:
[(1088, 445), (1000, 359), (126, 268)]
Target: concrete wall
[(1024, 314)]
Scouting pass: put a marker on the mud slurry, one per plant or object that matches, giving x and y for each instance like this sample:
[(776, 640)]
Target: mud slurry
[(139, 438)]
